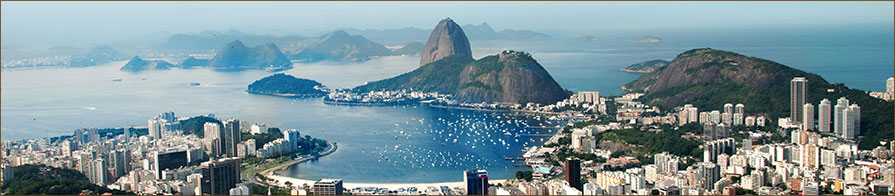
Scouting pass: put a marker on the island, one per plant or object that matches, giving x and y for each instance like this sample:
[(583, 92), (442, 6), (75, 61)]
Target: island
[(646, 66), (138, 64), (647, 39), (287, 86), (587, 38)]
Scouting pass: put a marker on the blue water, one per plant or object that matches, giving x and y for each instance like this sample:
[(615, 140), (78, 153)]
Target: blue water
[(51, 102)]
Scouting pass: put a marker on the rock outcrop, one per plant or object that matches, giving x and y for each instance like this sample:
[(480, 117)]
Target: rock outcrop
[(447, 39), (138, 64)]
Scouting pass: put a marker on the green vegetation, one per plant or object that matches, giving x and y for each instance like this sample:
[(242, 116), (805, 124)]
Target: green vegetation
[(440, 76), (741, 191), (286, 84), (647, 66), (262, 190), (653, 143), (566, 153), (479, 80), (196, 125), (524, 175), (272, 134), (45, 180), (765, 91)]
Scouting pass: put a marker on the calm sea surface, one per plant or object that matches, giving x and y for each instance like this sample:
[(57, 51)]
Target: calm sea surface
[(380, 144)]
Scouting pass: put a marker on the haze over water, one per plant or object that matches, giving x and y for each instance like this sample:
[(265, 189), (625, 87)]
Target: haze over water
[(50, 102)]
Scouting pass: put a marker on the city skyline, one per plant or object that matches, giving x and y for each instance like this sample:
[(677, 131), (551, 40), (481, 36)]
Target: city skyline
[(559, 98)]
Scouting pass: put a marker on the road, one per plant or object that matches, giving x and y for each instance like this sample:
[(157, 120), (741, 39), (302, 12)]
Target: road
[(250, 176)]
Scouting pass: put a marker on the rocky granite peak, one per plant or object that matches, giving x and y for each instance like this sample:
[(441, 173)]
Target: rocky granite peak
[(447, 39)]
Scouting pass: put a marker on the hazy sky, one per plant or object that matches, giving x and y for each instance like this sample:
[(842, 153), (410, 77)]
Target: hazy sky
[(41, 24)]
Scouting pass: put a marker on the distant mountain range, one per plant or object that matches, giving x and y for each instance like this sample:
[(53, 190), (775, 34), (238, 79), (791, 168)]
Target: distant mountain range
[(509, 77), (336, 46), (236, 56), (709, 78), (473, 32), (412, 48)]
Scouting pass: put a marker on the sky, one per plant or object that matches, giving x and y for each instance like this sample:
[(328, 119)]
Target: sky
[(46, 24)]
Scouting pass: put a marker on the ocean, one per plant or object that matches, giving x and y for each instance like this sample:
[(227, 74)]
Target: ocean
[(393, 143)]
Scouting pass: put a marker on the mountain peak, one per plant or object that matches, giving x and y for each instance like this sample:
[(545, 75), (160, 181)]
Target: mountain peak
[(337, 34), (447, 39), (236, 43)]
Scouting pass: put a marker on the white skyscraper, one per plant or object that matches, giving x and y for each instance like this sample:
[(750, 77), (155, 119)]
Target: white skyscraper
[(823, 116), (728, 108), (715, 116), (808, 117), (212, 137), (841, 104), (851, 122), (797, 98), (740, 108), (693, 114), (890, 86), (155, 129)]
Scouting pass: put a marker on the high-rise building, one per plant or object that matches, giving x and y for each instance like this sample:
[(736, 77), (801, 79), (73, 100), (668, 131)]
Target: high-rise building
[(328, 187), (737, 119), (728, 108), (169, 160), (589, 96), (573, 173), (121, 159), (740, 108), (713, 131), (711, 149), (851, 122), (890, 86), (666, 163), (841, 104), (99, 172), (711, 173), (808, 117), (688, 114), (155, 129), (810, 156), (213, 138), (823, 116), (7, 173), (128, 134), (230, 137), (797, 96), (476, 182), (715, 116), (292, 136), (692, 114), (727, 118), (219, 176)]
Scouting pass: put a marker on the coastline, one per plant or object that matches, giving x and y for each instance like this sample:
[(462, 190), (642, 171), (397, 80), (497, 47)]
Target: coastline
[(634, 71), (350, 185), (286, 95), (280, 181)]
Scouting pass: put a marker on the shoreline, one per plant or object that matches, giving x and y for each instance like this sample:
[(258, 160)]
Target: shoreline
[(350, 185), (280, 181)]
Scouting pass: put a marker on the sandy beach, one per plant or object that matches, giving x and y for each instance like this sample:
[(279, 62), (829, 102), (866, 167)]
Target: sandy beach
[(281, 180)]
